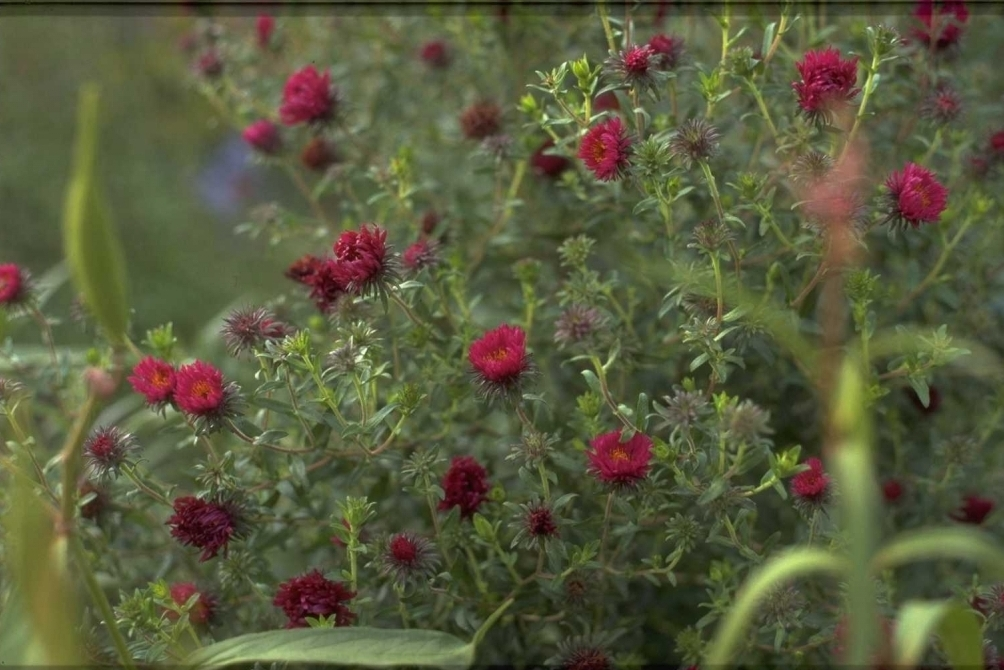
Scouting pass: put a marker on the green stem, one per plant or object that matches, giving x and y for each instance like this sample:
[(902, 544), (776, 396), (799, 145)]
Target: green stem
[(935, 145), (763, 108), (606, 525), (939, 264), (716, 266), (763, 487), (390, 438), (607, 29), (543, 480), (72, 458), (869, 86), (134, 478)]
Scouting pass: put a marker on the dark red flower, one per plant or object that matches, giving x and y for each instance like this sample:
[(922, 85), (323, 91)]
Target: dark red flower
[(408, 556), (318, 155), (106, 449), (548, 164), (539, 522), (435, 54), (620, 464), (979, 166), (210, 526), (892, 490), (812, 485), (606, 102), (264, 136), (421, 254), (933, 400), (827, 81), (326, 285), (199, 389), (362, 258), (633, 65), (264, 26), (155, 380), (14, 285), (668, 51), (249, 328), (997, 144), (500, 360), (942, 106), (942, 22), (304, 268), (975, 509), (481, 120), (915, 196), (606, 149), (312, 595), (203, 609), (583, 653), (209, 64), (430, 220), (465, 485), (308, 97)]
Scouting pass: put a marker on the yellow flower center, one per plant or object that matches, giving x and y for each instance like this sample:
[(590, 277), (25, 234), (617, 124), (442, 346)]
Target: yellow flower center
[(499, 354), (202, 389), (619, 455)]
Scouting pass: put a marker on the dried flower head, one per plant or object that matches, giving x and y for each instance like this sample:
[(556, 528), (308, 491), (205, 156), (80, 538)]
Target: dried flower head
[(308, 97), (974, 510), (942, 106), (783, 607), (406, 556), (576, 324), (942, 23), (669, 51), (809, 168), (683, 408), (105, 450), (200, 391), (481, 120), (421, 254), (15, 287), (435, 54), (811, 488), (633, 67), (465, 485), (312, 595), (606, 150), (827, 84), (711, 235), (747, 422), (694, 141), (430, 221), (248, 328), (500, 363), (155, 380), (209, 525), (264, 137), (915, 196), (548, 164), (537, 524), (203, 609), (620, 464)]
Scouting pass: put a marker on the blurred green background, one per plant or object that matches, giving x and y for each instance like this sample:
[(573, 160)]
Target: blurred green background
[(177, 180)]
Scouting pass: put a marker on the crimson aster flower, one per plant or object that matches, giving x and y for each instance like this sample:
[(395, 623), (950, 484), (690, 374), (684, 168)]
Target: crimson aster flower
[(535, 525), (668, 51), (892, 490), (326, 285), (303, 268), (480, 120), (208, 525), (435, 54), (500, 362), (942, 106), (975, 509), (155, 380), (407, 556), (312, 595), (421, 254), (201, 393), (265, 26), (606, 150), (942, 23), (203, 609), (633, 66), (15, 286), (828, 82), (263, 136), (308, 97), (465, 485), (548, 164), (620, 464), (106, 449), (811, 488), (915, 196), (363, 261)]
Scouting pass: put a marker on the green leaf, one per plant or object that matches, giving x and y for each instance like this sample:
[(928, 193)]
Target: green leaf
[(955, 624), (370, 647), (947, 543), (714, 491), (92, 248)]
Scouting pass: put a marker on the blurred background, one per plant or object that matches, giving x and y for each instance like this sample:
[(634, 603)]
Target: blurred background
[(177, 179)]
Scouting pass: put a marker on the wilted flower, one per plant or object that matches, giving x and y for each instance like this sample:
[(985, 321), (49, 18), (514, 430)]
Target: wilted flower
[(481, 120), (811, 486), (318, 155), (465, 485), (668, 51), (942, 106), (155, 380), (576, 324), (915, 196), (363, 261), (249, 328), (203, 609), (975, 509), (408, 556), (828, 82), (548, 164), (695, 141), (15, 286), (303, 268), (265, 26), (633, 66), (710, 235), (606, 150), (200, 391), (208, 525), (500, 361), (312, 595), (421, 254), (308, 97), (435, 54), (943, 22), (620, 464), (105, 450)]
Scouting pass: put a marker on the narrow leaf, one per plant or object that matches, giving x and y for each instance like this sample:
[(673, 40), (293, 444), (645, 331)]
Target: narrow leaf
[(955, 624)]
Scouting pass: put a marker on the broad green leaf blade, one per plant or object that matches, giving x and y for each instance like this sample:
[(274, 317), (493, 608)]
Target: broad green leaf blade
[(955, 624), (784, 567), (92, 249), (369, 647), (949, 543)]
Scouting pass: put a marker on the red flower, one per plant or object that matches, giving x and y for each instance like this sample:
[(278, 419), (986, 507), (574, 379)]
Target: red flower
[(633, 65), (481, 120), (668, 51), (892, 490), (210, 526), (249, 328), (264, 136), (106, 449), (318, 155), (827, 81), (406, 556), (326, 285), (311, 595), (539, 522), (308, 97), (617, 463), (500, 361), (155, 380), (465, 485), (974, 510), (201, 611), (265, 25), (304, 268), (997, 144), (605, 149), (14, 285), (942, 28), (811, 485), (943, 105), (606, 102), (362, 257), (915, 196), (209, 64), (435, 54), (420, 255), (199, 389), (548, 164)]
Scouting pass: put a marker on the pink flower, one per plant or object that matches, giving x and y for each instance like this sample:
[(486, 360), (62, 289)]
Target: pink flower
[(200, 391), (915, 196), (203, 609), (892, 490), (362, 257), (827, 81), (620, 464), (942, 22), (14, 285), (500, 360), (263, 136), (668, 51), (811, 485), (308, 97), (154, 379), (606, 149), (264, 26), (421, 254), (435, 54)]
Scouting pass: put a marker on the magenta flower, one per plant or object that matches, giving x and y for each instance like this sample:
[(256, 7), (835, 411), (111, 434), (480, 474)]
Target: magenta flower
[(620, 464), (915, 196), (828, 81), (308, 97), (606, 150)]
